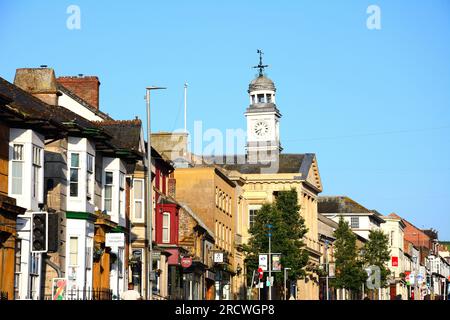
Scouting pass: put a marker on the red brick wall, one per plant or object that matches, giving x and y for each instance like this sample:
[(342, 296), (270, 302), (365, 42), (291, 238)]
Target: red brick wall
[(87, 88)]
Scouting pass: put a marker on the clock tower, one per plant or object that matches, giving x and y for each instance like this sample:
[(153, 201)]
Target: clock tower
[(263, 118)]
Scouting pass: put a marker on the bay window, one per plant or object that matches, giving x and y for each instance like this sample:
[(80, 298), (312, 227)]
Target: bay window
[(89, 173), (74, 172), (166, 227), (108, 190), (37, 164), (17, 169), (138, 188), (121, 191)]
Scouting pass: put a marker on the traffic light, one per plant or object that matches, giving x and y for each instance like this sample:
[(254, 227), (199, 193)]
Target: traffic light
[(39, 231)]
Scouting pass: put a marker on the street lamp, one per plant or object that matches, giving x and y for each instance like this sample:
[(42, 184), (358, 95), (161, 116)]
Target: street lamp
[(149, 191), (285, 276)]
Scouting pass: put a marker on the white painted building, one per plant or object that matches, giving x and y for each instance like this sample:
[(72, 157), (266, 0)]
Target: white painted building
[(26, 157)]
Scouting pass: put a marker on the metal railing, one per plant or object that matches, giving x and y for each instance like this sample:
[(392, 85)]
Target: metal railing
[(85, 294), (3, 295)]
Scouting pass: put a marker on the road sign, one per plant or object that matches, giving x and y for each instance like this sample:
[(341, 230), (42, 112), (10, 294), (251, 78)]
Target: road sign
[(260, 273), (263, 263)]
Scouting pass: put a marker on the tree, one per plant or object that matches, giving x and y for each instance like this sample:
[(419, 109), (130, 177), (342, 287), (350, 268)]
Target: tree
[(376, 253), (288, 229), (349, 267)]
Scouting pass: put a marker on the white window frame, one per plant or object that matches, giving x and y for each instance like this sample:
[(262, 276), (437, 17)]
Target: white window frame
[(17, 158), (354, 222), (77, 168), (121, 191), (37, 167), (90, 169), (167, 227), (108, 185), (73, 252), (138, 200)]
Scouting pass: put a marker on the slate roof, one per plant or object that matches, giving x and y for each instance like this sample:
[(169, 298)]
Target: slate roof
[(125, 134), (287, 163), (340, 204), (29, 107)]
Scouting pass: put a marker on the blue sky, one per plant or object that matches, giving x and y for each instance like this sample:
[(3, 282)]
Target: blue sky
[(374, 105)]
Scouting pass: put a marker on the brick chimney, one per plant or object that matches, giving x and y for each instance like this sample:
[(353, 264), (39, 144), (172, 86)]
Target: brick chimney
[(40, 82), (86, 87)]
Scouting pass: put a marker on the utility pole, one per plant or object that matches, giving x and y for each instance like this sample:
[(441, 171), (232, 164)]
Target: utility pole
[(285, 288), (270, 261), (185, 106), (149, 210)]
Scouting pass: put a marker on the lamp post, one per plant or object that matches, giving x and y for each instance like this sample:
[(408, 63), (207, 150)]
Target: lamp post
[(150, 194), (269, 226), (285, 276)]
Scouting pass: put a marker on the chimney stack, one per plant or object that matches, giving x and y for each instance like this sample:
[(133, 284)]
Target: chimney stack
[(86, 87), (40, 82)]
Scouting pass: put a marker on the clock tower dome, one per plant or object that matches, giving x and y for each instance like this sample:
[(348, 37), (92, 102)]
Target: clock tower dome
[(263, 118)]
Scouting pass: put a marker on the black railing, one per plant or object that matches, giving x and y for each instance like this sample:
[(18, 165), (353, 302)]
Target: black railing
[(3, 295), (85, 294)]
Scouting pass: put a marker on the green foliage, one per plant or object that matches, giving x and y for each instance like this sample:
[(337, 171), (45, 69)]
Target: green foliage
[(288, 229), (376, 252), (349, 267)]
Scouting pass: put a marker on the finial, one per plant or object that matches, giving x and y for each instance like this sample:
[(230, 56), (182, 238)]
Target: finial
[(260, 66)]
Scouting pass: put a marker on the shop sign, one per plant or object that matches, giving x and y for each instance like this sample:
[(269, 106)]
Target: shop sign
[(186, 262)]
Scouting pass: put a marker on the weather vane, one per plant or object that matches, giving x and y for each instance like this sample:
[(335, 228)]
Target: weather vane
[(260, 66)]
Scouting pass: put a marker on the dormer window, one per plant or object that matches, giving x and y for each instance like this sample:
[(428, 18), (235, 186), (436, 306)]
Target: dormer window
[(17, 169), (74, 173)]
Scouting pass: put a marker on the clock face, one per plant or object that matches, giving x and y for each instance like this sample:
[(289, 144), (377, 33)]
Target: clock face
[(261, 128)]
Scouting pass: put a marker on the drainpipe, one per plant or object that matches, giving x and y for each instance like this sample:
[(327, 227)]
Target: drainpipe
[(54, 266)]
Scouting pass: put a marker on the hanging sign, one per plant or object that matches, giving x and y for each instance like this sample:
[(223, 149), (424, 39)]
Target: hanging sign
[(186, 262), (263, 262)]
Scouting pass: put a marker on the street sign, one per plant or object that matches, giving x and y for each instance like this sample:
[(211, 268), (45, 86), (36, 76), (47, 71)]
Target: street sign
[(260, 273), (263, 263), (115, 240), (395, 261)]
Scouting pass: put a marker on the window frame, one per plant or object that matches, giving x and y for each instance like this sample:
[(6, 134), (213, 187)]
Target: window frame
[(354, 222), (77, 169), (138, 200), (165, 227), (15, 161), (105, 187)]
